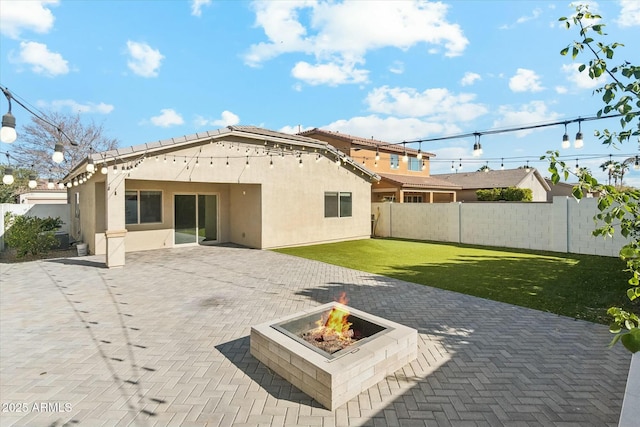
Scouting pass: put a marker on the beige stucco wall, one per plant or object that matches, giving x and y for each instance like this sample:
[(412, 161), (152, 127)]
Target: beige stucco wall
[(258, 206)]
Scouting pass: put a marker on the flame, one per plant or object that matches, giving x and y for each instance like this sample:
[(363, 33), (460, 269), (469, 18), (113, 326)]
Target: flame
[(337, 320)]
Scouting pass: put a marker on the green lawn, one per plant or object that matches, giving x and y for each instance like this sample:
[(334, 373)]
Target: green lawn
[(579, 286)]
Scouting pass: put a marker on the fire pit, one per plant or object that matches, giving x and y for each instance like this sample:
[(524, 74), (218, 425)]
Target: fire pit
[(333, 352)]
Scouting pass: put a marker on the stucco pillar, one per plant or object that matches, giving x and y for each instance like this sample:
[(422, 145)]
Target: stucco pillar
[(114, 219)]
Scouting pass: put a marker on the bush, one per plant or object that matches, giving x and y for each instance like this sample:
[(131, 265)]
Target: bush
[(510, 194), (30, 235)]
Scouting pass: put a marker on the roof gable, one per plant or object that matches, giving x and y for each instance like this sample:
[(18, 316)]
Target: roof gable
[(241, 134)]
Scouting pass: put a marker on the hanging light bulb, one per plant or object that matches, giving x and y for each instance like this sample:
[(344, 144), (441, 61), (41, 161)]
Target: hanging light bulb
[(405, 156), (300, 162), (32, 181), (377, 154), (453, 168), (502, 164), (61, 186), (104, 169), (486, 168), (90, 166), (227, 162), (565, 138), (247, 163), (75, 182), (270, 161), (8, 176), (460, 165), (58, 153), (8, 130), (636, 164), (577, 168), (115, 169), (579, 143), (419, 156), (527, 168), (477, 148)]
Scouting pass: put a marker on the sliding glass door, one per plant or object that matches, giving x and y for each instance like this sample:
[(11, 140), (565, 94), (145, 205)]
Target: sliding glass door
[(195, 218)]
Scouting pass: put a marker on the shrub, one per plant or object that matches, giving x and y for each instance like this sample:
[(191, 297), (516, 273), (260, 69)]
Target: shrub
[(30, 235), (511, 194)]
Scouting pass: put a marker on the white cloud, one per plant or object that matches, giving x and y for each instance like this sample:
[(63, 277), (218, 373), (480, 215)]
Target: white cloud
[(330, 74), (76, 107), (561, 90), (41, 60), (144, 60), (525, 81), (168, 118), (534, 15), (292, 130), (397, 67), (329, 32), (196, 6), (19, 16), (391, 129), (437, 103), (227, 118), (470, 78), (629, 13), (581, 80), (533, 112)]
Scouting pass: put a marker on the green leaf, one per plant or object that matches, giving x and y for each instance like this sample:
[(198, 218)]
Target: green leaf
[(577, 193), (631, 340), (564, 51)]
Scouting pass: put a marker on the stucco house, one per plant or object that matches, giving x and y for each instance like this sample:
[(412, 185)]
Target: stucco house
[(404, 171), (241, 184), (470, 182)]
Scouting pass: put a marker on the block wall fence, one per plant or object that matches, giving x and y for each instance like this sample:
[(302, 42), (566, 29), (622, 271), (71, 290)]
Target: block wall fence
[(565, 225)]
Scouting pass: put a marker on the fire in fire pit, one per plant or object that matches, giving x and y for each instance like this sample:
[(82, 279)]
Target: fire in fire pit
[(331, 332)]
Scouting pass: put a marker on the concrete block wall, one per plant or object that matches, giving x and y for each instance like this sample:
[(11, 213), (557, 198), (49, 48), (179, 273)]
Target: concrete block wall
[(562, 226), (37, 210)]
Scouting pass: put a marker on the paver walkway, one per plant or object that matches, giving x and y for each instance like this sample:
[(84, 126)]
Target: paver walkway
[(164, 342)]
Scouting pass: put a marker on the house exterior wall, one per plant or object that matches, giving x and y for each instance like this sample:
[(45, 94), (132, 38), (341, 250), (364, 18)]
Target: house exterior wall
[(44, 197), (258, 206), (562, 226)]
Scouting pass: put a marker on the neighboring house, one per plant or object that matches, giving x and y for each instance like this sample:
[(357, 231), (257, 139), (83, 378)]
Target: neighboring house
[(43, 195), (401, 181), (470, 182), (560, 189), (241, 184)]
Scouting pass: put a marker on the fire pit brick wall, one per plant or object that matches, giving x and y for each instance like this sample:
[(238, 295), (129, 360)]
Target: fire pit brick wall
[(334, 382)]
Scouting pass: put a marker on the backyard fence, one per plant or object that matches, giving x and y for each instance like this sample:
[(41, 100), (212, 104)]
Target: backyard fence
[(565, 225)]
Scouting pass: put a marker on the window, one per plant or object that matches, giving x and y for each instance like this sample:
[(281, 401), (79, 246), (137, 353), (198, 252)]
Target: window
[(337, 204), (415, 164), (412, 199), (142, 207), (395, 161)]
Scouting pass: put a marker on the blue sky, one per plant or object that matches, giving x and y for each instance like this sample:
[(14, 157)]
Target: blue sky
[(391, 70)]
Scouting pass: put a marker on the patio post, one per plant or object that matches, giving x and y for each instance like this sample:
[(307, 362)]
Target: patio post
[(115, 219)]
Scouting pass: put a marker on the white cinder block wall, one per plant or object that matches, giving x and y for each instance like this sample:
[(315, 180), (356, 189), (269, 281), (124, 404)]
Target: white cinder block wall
[(562, 226)]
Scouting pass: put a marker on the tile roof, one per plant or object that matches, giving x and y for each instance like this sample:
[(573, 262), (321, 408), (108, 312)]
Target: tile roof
[(413, 181), (491, 179), (368, 143), (250, 132)]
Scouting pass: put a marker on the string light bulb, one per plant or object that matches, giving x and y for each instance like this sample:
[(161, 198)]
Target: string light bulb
[(7, 179), (58, 153), (565, 138), (579, 143)]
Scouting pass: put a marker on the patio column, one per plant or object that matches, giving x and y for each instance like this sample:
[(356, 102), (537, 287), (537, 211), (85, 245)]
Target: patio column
[(114, 219)]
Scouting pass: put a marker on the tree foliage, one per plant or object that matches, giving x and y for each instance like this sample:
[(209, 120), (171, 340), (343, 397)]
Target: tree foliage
[(510, 194), (36, 142), (618, 206)]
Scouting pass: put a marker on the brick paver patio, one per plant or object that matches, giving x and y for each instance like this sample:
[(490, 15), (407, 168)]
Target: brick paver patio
[(164, 342)]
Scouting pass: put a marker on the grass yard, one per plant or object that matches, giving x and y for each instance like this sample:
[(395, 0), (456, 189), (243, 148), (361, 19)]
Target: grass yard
[(578, 286)]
